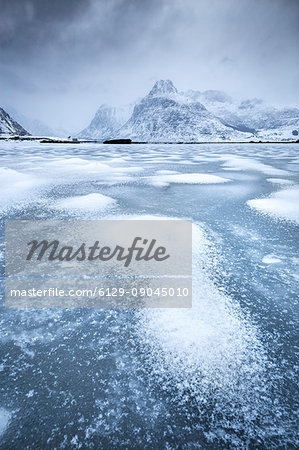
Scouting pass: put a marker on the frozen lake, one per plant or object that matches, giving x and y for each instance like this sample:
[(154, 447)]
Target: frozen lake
[(217, 376)]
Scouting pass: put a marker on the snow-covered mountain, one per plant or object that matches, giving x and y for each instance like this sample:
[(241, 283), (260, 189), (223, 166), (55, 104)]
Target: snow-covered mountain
[(265, 121), (9, 126), (106, 122), (168, 115)]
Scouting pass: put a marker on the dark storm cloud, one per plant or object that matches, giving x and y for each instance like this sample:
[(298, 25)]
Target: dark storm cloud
[(74, 28), (60, 59), (26, 24)]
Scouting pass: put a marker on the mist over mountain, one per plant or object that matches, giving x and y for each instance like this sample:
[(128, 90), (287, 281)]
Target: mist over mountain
[(35, 127)]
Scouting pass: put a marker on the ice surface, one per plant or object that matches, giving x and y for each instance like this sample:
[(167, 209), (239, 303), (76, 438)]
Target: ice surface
[(87, 202), (282, 204), (187, 178), (220, 375)]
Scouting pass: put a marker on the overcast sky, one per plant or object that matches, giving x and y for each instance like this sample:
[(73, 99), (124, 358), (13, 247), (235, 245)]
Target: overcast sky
[(61, 59)]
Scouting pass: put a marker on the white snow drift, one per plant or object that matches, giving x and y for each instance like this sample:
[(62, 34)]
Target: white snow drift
[(90, 202), (186, 178), (282, 204)]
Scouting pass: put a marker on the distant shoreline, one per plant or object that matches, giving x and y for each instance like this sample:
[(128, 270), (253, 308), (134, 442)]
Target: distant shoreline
[(46, 140)]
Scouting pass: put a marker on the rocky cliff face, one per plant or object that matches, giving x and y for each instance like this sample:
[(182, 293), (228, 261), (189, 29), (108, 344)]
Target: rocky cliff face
[(9, 126)]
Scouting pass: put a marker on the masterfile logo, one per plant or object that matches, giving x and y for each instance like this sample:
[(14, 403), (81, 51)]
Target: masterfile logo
[(57, 251)]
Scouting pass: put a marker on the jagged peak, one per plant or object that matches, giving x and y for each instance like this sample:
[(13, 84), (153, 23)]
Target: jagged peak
[(163, 87)]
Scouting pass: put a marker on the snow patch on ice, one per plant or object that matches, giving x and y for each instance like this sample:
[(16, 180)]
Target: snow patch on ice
[(282, 204), (242, 163), (270, 259), (15, 185), (211, 338), (209, 356), (280, 181), (30, 393), (88, 202), (93, 170), (5, 417), (186, 178), (166, 172)]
